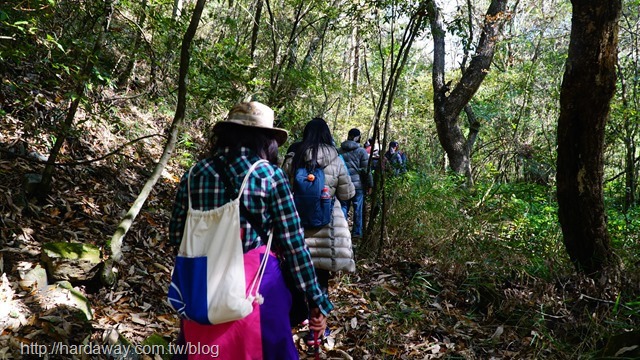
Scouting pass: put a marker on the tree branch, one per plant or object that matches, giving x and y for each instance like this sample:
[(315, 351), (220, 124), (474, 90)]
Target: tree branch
[(80, 162), (480, 63)]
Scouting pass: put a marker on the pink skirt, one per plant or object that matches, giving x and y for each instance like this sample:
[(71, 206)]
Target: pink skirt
[(265, 334)]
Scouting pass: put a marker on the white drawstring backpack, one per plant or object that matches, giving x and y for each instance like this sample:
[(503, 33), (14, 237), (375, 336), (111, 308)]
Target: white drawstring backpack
[(208, 280)]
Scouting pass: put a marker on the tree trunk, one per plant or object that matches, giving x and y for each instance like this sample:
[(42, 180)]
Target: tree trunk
[(125, 224), (256, 28), (587, 88), (630, 130), (313, 44), (123, 79), (383, 109), (47, 174), (630, 171), (177, 9), (447, 107), (356, 59), (285, 60), (353, 68)]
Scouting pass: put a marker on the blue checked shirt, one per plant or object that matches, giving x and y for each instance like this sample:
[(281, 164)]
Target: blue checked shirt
[(267, 195)]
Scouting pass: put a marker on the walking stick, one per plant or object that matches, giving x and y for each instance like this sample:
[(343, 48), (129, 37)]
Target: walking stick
[(317, 344)]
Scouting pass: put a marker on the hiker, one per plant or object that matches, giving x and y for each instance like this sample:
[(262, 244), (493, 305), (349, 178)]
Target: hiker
[(356, 159), (246, 136), (330, 245), (372, 149), (394, 160), (403, 159)]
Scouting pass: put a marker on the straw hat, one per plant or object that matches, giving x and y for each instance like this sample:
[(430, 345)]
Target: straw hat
[(253, 114)]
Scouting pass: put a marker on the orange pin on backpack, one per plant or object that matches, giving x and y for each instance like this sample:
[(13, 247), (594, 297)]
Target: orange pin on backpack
[(311, 177)]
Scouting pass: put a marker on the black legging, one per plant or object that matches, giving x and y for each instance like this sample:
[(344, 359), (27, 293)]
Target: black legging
[(323, 279)]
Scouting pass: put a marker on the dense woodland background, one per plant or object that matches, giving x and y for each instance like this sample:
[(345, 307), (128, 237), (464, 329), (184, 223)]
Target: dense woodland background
[(104, 104)]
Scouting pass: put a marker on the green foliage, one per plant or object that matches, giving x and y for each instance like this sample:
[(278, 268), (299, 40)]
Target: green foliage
[(430, 220), (505, 233), (518, 221), (624, 231), (529, 225), (156, 341), (187, 150), (220, 71)]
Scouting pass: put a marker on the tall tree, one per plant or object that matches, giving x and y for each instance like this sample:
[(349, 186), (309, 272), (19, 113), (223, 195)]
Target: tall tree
[(123, 78), (448, 104), (185, 56), (587, 88), (177, 8), (44, 188), (396, 55), (255, 29), (629, 94)]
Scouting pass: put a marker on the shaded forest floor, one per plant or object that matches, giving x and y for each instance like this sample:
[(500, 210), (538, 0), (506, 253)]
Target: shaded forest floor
[(397, 307)]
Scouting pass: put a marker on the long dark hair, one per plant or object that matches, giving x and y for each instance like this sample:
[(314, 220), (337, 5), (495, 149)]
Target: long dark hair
[(316, 133), (236, 136)]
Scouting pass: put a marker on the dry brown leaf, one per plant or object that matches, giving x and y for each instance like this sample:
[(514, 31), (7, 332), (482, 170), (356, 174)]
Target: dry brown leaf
[(136, 318), (167, 319), (162, 267), (118, 317)]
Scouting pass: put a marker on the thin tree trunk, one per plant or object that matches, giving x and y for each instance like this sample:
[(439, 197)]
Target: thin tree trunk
[(313, 44), (353, 66), (256, 28), (356, 60), (375, 205), (116, 240), (288, 60), (630, 130), (47, 174), (397, 62), (587, 88), (177, 9), (123, 79)]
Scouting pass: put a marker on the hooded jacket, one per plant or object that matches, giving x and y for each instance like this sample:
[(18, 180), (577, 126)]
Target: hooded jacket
[(356, 159), (330, 246)]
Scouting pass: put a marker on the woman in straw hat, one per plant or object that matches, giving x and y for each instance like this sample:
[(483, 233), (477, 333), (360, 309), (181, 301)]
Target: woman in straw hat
[(246, 136)]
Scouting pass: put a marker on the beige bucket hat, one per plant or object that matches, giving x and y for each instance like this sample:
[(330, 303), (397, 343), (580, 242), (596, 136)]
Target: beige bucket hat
[(253, 114)]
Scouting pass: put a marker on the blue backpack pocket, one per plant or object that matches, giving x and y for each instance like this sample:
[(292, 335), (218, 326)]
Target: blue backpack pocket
[(188, 291)]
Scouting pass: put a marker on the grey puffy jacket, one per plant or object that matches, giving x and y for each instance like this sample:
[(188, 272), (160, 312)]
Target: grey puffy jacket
[(330, 246), (356, 159)]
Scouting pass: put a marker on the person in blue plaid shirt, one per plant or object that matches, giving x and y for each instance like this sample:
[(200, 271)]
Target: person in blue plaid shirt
[(246, 136)]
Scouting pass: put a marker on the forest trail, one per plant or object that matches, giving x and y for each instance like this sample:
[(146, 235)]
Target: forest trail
[(391, 308), (85, 207)]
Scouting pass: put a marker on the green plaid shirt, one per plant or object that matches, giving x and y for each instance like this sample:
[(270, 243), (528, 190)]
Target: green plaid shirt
[(267, 195)]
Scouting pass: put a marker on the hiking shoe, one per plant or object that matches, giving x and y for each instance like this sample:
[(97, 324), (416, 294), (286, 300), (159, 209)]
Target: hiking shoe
[(309, 339)]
